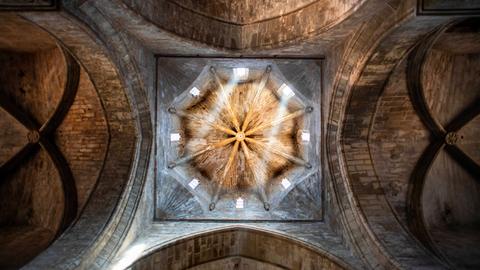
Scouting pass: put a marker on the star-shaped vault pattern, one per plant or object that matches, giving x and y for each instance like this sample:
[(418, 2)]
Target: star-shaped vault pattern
[(241, 132)]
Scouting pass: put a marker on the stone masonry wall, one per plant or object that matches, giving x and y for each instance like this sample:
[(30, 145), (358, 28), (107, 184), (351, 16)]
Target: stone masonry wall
[(301, 23), (83, 138), (244, 243), (397, 139)]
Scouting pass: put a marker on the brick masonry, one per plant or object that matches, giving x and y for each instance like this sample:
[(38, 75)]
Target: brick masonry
[(83, 138), (389, 246), (33, 195), (244, 12), (183, 19), (370, 43), (255, 245), (236, 262), (449, 79), (396, 130), (124, 168)]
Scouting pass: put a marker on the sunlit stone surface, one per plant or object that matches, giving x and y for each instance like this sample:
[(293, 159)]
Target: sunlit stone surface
[(242, 127), (242, 135)]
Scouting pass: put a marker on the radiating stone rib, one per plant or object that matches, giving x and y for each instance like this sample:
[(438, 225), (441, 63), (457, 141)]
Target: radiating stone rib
[(260, 88), (248, 157), (258, 181), (258, 168), (208, 148), (226, 101), (263, 197), (280, 120), (214, 125), (231, 158), (245, 150), (278, 152)]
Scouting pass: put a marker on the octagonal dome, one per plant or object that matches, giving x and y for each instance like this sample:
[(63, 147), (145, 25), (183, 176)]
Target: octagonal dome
[(239, 137), (242, 128)]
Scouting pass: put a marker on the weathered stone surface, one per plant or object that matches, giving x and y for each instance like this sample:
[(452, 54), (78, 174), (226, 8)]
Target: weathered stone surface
[(83, 138), (14, 252), (34, 81), (118, 162), (14, 30), (244, 242), (32, 207), (244, 12), (365, 188), (450, 83), (303, 22), (32, 194), (397, 139), (373, 133), (450, 86), (176, 77)]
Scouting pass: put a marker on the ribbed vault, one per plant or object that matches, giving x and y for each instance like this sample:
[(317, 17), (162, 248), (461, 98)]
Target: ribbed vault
[(388, 117), (128, 152), (47, 168), (449, 106)]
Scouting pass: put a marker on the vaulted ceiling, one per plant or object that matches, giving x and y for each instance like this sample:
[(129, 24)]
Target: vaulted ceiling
[(129, 130), (240, 25), (54, 139)]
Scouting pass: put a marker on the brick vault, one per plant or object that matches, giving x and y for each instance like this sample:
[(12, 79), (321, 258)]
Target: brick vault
[(249, 134)]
